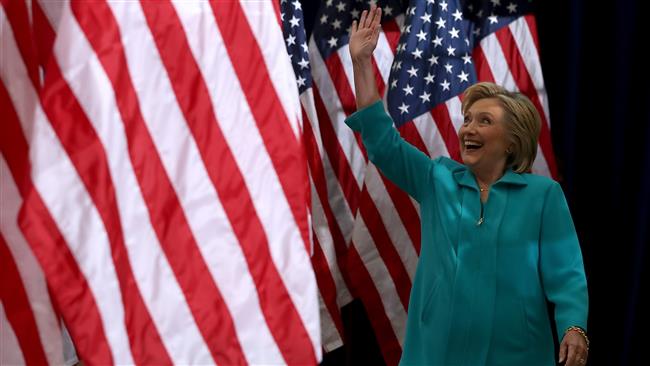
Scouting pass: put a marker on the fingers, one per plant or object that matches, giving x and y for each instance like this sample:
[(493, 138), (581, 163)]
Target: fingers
[(362, 20), (563, 351), (353, 29), (376, 17), (571, 358)]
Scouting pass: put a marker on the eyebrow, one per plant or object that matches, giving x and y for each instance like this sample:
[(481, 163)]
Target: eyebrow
[(480, 114)]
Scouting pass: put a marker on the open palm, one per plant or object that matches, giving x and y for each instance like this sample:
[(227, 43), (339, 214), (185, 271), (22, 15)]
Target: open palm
[(364, 35)]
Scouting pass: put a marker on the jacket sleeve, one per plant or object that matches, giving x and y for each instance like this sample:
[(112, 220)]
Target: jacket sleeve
[(399, 161), (561, 265)]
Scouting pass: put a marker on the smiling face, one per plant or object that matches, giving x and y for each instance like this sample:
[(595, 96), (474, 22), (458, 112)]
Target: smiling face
[(484, 137)]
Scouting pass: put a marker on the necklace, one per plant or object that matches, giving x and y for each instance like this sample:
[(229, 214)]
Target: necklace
[(483, 189)]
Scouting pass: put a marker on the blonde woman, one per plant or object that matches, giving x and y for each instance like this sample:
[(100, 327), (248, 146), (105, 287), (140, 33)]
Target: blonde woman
[(497, 242)]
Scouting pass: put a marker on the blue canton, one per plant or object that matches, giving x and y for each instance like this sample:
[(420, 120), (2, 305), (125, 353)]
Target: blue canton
[(293, 28)]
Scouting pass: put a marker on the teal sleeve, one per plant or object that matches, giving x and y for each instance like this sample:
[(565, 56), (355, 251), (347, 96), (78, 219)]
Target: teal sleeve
[(402, 163), (561, 265)]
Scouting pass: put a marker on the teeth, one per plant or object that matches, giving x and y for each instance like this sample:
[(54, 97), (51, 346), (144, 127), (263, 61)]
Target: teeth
[(472, 143)]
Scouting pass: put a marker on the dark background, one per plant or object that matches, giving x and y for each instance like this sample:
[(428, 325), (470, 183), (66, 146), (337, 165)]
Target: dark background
[(598, 87)]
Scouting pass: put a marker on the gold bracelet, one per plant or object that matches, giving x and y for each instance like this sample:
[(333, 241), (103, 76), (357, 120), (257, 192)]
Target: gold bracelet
[(582, 333)]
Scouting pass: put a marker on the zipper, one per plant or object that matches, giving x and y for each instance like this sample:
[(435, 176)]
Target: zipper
[(481, 219)]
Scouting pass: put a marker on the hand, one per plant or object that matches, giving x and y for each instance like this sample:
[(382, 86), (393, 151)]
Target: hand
[(364, 35), (573, 349)]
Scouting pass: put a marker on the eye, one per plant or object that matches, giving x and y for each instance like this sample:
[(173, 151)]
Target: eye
[(486, 121), (466, 120)]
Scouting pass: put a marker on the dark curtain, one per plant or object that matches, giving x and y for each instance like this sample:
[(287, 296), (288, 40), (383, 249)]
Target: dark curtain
[(592, 54)]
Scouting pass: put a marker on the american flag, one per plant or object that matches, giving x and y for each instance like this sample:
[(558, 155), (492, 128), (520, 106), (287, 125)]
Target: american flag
[(153, 174), (426, 56)]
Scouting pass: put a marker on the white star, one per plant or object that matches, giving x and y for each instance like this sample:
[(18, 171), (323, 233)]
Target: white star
[(445, 85), (398, 65), (466, 41), (329, 3), (336, 24), (332, 41), (354, 13), (480, 13), (388, 10), (440, 23), (301, 81), (457, 15), (463, 76), (443, 5), (282, 17), (408, 29), (323, 19), (303, 63), (512, 8), (433, 60), (413, 71), (294, 21), (476, 31), (431, 1), (408, 90), (403, 108), (413, 10), (291, 40), (467, 59), (451, 51), (425, 97), (453, 32), (417, 53), (400, 47), (426, 18), (296, 5), (437, 41), (493, 19), (495, 3), (393, 84), (304, 46), (429, 78), (340, 6), (448, 66), (421, 36), (372, 2)]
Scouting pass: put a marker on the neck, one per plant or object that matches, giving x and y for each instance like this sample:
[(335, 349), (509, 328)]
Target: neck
[(485, 178)]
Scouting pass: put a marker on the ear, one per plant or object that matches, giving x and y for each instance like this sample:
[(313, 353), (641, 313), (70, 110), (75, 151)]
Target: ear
[(509, 149)]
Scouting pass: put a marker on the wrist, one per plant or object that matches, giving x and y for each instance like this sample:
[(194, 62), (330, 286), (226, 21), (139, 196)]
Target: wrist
[(580, 331)]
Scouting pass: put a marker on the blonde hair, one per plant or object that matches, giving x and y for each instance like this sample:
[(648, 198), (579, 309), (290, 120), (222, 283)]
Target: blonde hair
[(520, 117)]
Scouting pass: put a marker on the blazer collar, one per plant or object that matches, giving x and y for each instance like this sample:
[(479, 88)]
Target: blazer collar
[(465, 177)]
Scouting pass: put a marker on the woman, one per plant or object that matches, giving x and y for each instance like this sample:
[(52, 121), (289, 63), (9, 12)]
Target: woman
[(497, 242)]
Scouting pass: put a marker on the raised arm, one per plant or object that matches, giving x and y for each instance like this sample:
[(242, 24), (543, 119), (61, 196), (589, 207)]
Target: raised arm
[(363, 40), (402, 163)]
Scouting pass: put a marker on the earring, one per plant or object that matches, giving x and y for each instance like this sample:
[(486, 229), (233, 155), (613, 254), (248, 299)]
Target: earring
[(508, 151)]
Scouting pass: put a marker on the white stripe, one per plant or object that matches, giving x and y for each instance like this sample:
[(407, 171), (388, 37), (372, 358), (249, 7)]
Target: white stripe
[(330, 334), (206, 217), (11, 353), (30, 271), (381, 278), (336, 115), (526, 45), (69, 203), (430, 134), (151, 269), (346, 62), (391, 220), (455, 108), (240, 131), (497, 62), (326, 242), (384, 55), (308, 106), (263, 23)]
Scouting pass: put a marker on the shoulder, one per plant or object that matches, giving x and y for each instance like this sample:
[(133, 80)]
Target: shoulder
[(541, 186), (449, 164)]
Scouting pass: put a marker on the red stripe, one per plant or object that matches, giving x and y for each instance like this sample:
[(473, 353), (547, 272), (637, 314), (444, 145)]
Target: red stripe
[(87, 154), (386, 337), (18, 18), (167, 217), (43, 33), (526, 86), (440, 114), (342, 85), (336, 156), (483, 71), (326, 285), (264, 102), (320, 184), (532, 26), (280, 313), (70, 292), (392, 32), (385, 247), (19, 312)]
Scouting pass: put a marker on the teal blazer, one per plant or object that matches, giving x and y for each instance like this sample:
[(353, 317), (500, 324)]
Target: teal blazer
[(480, 290)]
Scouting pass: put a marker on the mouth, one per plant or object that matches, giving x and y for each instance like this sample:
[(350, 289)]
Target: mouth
[(472, 146)]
